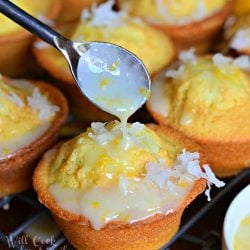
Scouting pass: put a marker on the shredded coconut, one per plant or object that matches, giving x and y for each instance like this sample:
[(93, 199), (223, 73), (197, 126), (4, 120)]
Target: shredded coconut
[(104, 136), (177, 74), (187, 166), (243, 62), (187, 55), (241, 40), (221, 60), (103, 15), (40, 103)]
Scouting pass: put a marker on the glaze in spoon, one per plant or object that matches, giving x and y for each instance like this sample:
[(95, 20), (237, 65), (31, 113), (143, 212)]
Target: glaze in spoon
[(110, 76)]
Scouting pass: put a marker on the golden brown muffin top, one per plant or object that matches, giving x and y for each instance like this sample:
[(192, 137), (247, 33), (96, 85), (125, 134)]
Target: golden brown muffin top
[(205, 97), (35, 8), (172, 12), (25, 113)]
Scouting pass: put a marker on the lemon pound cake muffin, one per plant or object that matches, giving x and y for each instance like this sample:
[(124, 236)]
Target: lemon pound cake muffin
[(110, 191), (207, 99), (71, 9), (31, 114), (15, 42), (188, 23)]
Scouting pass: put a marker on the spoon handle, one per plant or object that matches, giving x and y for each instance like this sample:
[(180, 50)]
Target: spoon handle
[(28, 22)]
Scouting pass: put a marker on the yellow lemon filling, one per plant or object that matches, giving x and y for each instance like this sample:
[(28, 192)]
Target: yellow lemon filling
[(35, 8), (208, 97), (24, 115), (104, 24), (94, 176), (173, 11)]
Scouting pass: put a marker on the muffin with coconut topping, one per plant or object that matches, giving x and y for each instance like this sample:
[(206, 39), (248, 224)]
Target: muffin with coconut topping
[(31, 114), (15, 42), (103, 24), (71, 9), (207, 99), (188, 23), (111, 191)]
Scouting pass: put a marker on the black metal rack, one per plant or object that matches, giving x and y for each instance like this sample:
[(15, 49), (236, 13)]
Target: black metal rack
[(209, 240)]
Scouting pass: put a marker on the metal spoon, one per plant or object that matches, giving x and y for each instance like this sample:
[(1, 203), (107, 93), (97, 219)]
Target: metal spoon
[(92, 61)]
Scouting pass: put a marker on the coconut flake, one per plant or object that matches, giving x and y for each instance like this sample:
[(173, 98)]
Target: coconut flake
[(242, 62), (186, 56), (40, 103), (157, 173), (241, 40), (176, 73), (103, 15), (187, 166), (221, 60), (211, 177), (104, 136)]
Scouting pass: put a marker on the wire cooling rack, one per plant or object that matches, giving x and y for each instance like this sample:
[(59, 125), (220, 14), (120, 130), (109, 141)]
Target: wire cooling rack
[(19, 212)]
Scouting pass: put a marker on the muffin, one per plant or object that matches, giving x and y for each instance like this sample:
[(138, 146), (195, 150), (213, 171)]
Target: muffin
[(71, 9), (31, 114), (15, 42), (207, 99), (107, 191), (189, 23), (241, 7), (237, 35), (103, 24)]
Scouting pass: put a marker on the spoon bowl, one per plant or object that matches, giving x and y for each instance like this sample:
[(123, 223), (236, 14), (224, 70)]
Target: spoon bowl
[(111, 77)]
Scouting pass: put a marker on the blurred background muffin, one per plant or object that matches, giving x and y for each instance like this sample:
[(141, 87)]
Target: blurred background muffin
[(207, 99), (31, 114), (192, 23), (15, 42), (104, 24), (71, 9)]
